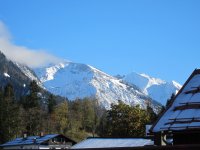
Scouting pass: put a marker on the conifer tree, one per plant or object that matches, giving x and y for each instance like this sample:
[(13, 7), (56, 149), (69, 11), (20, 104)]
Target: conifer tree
[(51, 103), (152, 115), (2, 115), (61, 117), (34, 115), (170, 100), (88, 121), (32, 99), (8, 114), (33, 120)]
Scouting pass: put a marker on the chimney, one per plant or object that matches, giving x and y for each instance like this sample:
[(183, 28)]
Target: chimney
[(34, 141), (41, 134), (148, 127), (24, 135)]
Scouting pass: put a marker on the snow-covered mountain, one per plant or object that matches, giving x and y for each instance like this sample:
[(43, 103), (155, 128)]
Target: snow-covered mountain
[(74, 80), (157, 89)]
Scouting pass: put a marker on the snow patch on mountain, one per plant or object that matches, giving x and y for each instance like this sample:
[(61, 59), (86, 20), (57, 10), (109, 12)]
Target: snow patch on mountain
[(51, 71), (157, 89), (29, 73), (6, 75)]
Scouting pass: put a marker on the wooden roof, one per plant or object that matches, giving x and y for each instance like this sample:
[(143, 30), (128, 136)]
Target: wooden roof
[(30, 140), (184, 112)]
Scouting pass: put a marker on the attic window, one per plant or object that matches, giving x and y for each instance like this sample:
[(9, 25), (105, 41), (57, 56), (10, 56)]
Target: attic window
[(194, 91), (189, 105)]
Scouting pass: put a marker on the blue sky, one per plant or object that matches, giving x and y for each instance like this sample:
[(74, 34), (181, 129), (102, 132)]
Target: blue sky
[(157, 37)]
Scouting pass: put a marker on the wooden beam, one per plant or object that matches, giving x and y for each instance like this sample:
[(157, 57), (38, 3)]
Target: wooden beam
[(188, 106)]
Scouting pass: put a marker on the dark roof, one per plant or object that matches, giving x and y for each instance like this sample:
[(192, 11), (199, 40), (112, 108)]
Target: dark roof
[(184, 112), (32, 140)]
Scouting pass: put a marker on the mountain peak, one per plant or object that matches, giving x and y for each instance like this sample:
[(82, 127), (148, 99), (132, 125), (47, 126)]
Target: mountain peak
[(157, 89)]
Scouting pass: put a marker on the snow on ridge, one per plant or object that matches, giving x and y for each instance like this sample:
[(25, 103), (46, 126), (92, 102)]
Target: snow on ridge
[(153, 80), (142, 81), (157, 89), (6, 75), (103, 73), (110, 90), (51, 71), (176, 84), (28, 73)]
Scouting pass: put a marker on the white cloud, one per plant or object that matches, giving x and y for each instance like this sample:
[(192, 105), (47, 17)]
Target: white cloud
[(31, 57)]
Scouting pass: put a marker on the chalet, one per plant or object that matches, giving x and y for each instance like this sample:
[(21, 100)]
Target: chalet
[(50, 141), (180, 123)]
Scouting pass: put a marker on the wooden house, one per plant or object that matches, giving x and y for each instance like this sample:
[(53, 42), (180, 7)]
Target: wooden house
[(50, 141), (180, 123)]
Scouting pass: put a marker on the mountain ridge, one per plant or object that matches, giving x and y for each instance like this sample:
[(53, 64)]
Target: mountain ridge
[(11, 74), (76, 80), (156, 88), (20, 76)]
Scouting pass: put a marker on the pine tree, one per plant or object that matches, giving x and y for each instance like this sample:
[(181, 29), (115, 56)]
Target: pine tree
[(88, 121), (170, 101), (8, 112), (152, 115), (2, 117), (61, 117), (32, 99), (33, 118), (51, 103)]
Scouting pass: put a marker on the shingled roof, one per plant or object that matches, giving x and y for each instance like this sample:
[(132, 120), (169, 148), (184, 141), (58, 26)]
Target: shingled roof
[(184, 112), (32, 140)]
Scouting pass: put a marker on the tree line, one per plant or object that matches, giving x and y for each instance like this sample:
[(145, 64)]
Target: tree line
[(76, 119)]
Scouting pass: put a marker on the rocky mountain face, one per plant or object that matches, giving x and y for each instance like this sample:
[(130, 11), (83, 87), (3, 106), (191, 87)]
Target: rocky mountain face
[(20, 76), (11, 73)]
